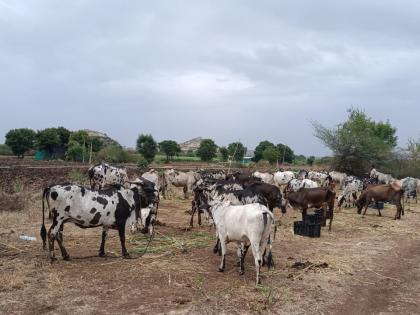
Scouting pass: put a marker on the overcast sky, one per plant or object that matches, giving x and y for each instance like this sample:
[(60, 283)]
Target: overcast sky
[(227, 70)]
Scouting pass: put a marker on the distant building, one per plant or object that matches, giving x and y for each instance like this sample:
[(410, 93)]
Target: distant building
[(191, 145)]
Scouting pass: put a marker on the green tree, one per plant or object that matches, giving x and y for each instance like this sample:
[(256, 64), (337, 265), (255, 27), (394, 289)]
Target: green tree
[(48, 139), (259, 149), (224, 154), (358, 143), (271, 154), (147, 147), (286, 153), (80, 136), (237, 151), (64, 135), (310, 161), (20, 141), (76, 152), (170, 148), (207, 150)]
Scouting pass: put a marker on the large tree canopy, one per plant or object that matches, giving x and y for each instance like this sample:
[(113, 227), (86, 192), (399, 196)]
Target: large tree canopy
[(207, 150), (170, 148), (359, 142), (147, 147), (20, 140), (260, 148)]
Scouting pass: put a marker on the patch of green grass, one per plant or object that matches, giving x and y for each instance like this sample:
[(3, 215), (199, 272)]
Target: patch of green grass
[(172, 243), (76, 176)]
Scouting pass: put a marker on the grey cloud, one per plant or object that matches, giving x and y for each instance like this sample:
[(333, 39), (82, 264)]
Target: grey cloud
[(222, 69)]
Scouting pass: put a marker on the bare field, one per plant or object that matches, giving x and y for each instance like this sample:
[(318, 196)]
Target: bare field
[(366, 265)]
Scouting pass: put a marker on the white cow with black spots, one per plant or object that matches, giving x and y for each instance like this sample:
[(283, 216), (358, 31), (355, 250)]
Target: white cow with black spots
[(103, 174), (112, 208)]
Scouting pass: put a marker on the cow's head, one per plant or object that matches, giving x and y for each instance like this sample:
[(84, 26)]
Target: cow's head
[(359, 205)]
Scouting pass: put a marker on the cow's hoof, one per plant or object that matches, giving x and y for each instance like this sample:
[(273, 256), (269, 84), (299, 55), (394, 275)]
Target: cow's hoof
[(126, 256), (215, 250), (221, 270), (241, 272), (102, 254), (67, 258)]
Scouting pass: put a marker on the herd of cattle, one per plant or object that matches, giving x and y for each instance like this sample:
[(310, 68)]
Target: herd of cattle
[(239, 204)]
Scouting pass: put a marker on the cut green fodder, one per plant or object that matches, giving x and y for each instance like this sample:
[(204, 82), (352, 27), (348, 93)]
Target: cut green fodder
[(172, 243)]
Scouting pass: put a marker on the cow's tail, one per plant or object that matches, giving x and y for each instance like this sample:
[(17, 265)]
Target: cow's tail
[(268, 228), (43, 232)]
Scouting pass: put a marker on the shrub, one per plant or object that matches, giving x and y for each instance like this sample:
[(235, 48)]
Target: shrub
[(5, 150)]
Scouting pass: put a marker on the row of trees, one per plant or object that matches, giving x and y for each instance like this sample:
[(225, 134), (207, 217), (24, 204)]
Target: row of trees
[(55, 142), (208, 150), (77, 146)]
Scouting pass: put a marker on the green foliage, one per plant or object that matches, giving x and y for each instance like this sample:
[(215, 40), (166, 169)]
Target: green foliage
[(236, 151), (5, 150), (48, 139), (358, 143), (147, 147), (271, 154), (80, 136), (224, 154), (20, 140), (310, 161), (170, 148), (142, 163), (64, 135), (113, 154), (259, 149), (76, 152), (286, 153), (207, 150)]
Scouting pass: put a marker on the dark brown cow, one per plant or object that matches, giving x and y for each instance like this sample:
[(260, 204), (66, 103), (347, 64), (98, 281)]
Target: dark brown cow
[(313, 198), (384, 193)]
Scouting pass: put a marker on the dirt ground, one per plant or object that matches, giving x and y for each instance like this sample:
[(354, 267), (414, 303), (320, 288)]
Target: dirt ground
[(366, 265)]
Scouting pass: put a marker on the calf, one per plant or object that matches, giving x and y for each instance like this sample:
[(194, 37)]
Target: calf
[(111, 208), (246, 225), (384, 193), (312, 198), (102, 174)]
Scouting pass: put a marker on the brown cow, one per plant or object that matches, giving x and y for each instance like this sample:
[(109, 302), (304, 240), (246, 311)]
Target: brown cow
[(313, 198), (384, 193)]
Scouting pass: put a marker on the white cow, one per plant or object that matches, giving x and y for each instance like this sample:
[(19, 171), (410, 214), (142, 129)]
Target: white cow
[(381, 177), (153, 176), (265, 177), (187, 180), (246, 225), (339, 178), (282, 178)]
